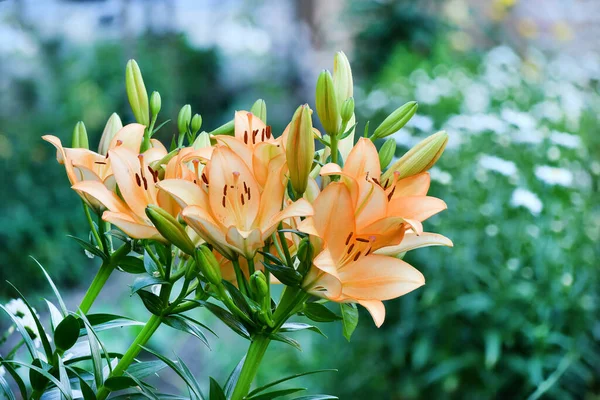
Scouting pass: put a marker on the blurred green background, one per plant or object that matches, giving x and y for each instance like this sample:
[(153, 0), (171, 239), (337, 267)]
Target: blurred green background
[(512, 311)]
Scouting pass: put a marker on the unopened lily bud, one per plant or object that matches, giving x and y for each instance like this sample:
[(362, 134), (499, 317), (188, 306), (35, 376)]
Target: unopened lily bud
[(155, 104), (196, 123), (420, 158), (387, 152), (259, 285), (326, 102), (202, 141), (300, 149), (347, 110), (208, 264), (184, 118), (136, 92), (113, 125), (169, 228), (80, 138), (396, 120), (259, 108), (342, 78)]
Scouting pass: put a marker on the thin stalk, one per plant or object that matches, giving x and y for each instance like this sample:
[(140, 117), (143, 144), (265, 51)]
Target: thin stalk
[(12, 353), (101, 277), (239, 276), (334, 149), (88, 216), (256, 351), (141, 339), (286, 250), (250, 265)]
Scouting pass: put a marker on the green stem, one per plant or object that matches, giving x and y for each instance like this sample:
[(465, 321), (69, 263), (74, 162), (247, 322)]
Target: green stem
[(141, 339), (101, 277), (286, 250), (88, 215), (256, 351), (334, 149), (12, 353), (250, 265), (239, 276)]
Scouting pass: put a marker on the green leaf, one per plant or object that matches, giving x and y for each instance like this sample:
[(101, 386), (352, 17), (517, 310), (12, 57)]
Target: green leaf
[(153, 303), (115, 383), (61, 303), (8, 393), (286, 275), (102, 322), (16, 377), (24, 333), (493, 347), (233, 377), (319, 313), (287, 378), (59, 385), (37, 380), (176, 322), (144, 369), (180, 369), (149, 264), (238, 298), (298, 326), (145, 391), (55, 315), (89, 247), (132, 265), (275, 394), (95, 352), (287, 340), (160, 126), (66, 333), (216, 393), (146, 281), (38, 324), (226, 317), (349, 319), (348, 132), (64, 377), (86, 390), (317, 397)]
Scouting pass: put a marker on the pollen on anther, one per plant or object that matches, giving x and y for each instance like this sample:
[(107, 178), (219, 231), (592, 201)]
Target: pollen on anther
[(246, 137), (223, 202), (204, 178), (356, 256), (242, 197), (348, 238), (350, 248), (248, 193), (391, 193), (138, 180), (225, 190), (145, 183)]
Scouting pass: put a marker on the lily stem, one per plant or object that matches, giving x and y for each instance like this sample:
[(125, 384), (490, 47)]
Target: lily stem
[(95, 233), (141, 339), (101, 277), (256, 351)]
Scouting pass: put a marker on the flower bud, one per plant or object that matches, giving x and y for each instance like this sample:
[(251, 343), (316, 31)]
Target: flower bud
[(300, 149), (347, 111), (396, 120), (342, 78), (259, 109), (387, 152), (208, 264), (202, 141), (80, 138), (305, 255), (184, 118), (259, 284), (326, 102), (113, 125), (420, 158), (169, 228), (196, 123), (136, 92), (155, 104)]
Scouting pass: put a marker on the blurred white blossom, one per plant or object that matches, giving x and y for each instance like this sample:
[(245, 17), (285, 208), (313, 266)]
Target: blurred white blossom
[(525, 198), (554, 176), (497, 164), (565, 139)]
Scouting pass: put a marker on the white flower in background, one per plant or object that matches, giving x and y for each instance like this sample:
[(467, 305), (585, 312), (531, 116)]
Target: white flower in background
[(18, 308), (440, 176), (549, 110), (554, 176), (525, 198), (565, 140), (522, 120), (421, 122), (377, 100), (477, 123), (427, 93), (497, 164), (476, 98), (553, 153)]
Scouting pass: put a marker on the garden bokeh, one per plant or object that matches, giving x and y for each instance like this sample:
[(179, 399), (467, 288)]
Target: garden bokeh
[(512, 311)]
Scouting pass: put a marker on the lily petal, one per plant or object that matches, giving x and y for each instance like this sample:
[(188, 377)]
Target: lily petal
[(104, 196), (416, 185), (130, 136), (418, 208), (208, 229), (376, 309), (412, 241), (185, 193), (131, 227)]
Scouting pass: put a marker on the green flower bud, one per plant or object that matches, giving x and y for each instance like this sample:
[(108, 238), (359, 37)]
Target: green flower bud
[(113, 125), (136, 92), (305, 255), (347, 110), (155, 104), (184, 118), (259, 109), (259, 284), (202, 141), (342, 78), (300, 149), (387, 152), (80, 138), (420, 158), (169, 228), (326, 102), (208, 264), (396, 120), (196, 123)]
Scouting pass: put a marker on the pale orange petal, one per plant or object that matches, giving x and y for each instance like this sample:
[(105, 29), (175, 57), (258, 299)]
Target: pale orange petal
[(372, 204), (106, 197), (412, 241), (416, 185), (245, 242), (376, 309), (208, 229), (418, 208), (363, 160), (237, 146), (323, 285), (377, 277), (129, 136), (186, 193), (131, 227)]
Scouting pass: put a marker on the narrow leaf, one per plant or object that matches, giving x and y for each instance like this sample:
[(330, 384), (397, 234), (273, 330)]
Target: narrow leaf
[(144, 369), (24, 333), (298, 326), (176, 322), (287, 378), (46, 375), (66, 333), (349, 319), (216, 393), (95, 352), (16, 377), (89, 247), (275, 394), (233, 377), (146, 281), (132, 265), (8, 393), (319, 313), (61, 303), (153, 303), (287, 340), (317, 397)]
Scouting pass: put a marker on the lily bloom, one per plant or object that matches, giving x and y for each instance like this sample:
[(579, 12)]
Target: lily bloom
[(345, 268), (228, 209), (137, 184), (86, 165)]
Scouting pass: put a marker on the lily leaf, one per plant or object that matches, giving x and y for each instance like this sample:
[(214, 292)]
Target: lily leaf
[(61, 303), (176, 322), (233, 377), (89, 247), (287, 340), (146, 281), (287, 378), (275, 394), (349, 319), (216, 393), (319, 313), (298, 326)]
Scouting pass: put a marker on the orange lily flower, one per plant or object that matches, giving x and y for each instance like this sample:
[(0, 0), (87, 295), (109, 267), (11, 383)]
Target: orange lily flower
[(345, 268), (86, 165), (228, 209)]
